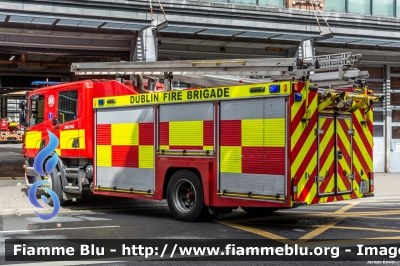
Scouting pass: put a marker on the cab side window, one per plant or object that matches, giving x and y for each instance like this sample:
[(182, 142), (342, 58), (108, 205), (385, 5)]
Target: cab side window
[(67, 106), (37, 111)]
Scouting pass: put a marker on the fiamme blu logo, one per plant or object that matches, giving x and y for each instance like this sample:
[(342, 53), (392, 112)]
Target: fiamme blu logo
[(45, 162)]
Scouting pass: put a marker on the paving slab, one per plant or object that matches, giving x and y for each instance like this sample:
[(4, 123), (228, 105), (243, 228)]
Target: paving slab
[(11, 160)]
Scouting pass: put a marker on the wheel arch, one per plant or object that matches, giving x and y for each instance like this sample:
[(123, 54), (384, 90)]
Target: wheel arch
[(171, 171)]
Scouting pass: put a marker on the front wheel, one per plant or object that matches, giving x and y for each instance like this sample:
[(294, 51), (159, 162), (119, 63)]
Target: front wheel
[(56, 186), (185, 196)]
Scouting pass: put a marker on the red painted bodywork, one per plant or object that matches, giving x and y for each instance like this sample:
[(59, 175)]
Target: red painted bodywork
[(87, 90), (207, 167)]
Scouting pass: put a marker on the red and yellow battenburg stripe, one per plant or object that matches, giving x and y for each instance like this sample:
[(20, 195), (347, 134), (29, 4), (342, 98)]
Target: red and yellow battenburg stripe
[(252, 147), (247, 144), (115, 149)]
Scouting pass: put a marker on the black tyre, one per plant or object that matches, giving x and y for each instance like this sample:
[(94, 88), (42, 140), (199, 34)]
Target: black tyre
[(56, 186), (185, 196), (259, 211)]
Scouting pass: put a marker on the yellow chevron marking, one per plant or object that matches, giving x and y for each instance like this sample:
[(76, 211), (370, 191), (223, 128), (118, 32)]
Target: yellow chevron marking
[(299, 131), (297, 105), (367, 133), (259, 232), (303, 152), (303, 180), (364, 152), (312, 193), (358, 167), (342, 134)]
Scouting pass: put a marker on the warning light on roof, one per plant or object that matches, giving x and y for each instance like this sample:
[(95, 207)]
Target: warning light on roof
[(298, 97), (100, 101), (274, 88)]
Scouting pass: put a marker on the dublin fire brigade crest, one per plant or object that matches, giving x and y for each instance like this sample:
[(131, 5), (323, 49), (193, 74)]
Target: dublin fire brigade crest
[(51, 101)]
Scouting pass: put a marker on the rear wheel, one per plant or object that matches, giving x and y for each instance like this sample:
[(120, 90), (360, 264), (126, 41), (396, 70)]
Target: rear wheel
[(185, 196), (259, 211)]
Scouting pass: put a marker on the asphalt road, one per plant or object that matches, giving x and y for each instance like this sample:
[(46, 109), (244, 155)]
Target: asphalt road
[(98, 218), (95, 217)]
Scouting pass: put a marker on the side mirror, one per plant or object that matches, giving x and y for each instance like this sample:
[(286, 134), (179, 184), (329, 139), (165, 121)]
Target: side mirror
[(21, 105), (22, 116), (35, 97), (55, 121)]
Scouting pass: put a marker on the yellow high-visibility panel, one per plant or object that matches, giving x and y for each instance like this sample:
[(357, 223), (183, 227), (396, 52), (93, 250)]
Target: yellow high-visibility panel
[(33, 139), (103, 155), (125, 134), (274, 132), (208, 148), (146, 156), (186, 133), (67, 138), (252, 132), (231, 159), (164, 147)]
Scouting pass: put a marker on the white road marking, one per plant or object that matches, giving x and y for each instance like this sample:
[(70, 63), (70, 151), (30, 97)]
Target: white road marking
[(59, 229)]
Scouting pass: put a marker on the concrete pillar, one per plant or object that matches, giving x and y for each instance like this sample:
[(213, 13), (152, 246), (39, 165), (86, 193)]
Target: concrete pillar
[(3, 106), (146, 45), (388, 120), (305, 49)]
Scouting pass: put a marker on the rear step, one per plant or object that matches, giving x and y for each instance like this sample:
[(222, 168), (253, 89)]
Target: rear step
[(72, 189)]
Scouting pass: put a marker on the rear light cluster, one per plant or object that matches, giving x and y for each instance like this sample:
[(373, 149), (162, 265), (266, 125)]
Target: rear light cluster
[(294, 194), (371, 182)]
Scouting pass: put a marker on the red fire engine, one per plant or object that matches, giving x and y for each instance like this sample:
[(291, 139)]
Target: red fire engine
[(263, 146), (10, 131)]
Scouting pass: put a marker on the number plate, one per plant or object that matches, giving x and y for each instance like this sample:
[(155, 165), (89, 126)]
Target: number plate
[(363, 186)]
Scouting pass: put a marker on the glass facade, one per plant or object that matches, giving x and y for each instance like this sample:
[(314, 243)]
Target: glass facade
[(336, 6), (359, 6), (383, 8), (252, 2), (270, 3), (397, 8)]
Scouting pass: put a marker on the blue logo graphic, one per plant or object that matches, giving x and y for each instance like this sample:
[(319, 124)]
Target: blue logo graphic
[(32, 197), (44, 164)]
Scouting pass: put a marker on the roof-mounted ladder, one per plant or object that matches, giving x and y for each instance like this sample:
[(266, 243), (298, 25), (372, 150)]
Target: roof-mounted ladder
[(340, 67)]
